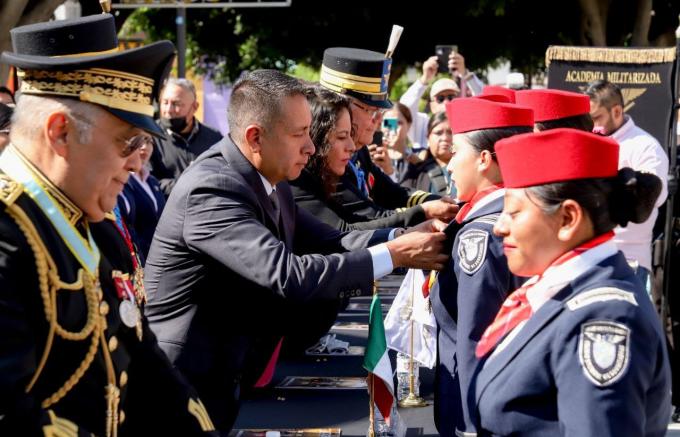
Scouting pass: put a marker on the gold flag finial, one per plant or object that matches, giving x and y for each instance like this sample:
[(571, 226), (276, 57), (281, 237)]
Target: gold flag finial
[(106, 6)]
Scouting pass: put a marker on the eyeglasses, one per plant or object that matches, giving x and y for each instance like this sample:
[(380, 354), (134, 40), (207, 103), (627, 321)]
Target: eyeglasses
[(132, 144), (374, 113), (449, 97)]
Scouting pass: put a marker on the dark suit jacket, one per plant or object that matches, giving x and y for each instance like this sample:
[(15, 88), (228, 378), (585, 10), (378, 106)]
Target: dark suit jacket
[(308, 193), (221, 273), (142, 216)]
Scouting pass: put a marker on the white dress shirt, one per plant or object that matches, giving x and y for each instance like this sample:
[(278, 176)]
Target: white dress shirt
[(641, 152)]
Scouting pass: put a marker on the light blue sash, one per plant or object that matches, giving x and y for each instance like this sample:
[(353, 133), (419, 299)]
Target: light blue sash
[(86, 252)]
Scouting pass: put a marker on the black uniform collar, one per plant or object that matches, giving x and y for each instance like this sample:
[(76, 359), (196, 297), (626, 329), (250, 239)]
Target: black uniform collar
[(72, 213)]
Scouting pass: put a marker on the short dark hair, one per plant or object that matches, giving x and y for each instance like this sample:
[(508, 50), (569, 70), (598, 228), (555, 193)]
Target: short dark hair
[(485, 139), (628, 197), (582, 122), (436, 119), (256, 98), (326, 108), (5, 90), (605, 93)]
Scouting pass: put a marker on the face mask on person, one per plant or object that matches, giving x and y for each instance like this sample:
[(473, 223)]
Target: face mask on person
[(177, 124)]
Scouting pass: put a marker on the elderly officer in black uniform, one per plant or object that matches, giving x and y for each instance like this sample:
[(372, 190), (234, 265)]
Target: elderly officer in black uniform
[(233, 257), (362, 75), (76, 357)]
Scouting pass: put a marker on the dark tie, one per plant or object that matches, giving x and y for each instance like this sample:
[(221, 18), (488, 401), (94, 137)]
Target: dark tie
[(274, 197)]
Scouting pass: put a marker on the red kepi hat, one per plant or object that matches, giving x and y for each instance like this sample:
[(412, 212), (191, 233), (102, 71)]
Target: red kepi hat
[(556, 155), (553, 104), (473, 113), (491, 90)]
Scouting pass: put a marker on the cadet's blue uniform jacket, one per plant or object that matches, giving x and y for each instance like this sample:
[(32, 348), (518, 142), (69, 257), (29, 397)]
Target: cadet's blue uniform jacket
[(591, 361), (471, 290)]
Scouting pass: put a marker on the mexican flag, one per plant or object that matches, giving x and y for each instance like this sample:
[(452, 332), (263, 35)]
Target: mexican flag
[(377, 362)]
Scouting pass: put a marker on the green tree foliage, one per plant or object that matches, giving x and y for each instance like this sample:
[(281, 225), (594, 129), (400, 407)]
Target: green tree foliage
[(224, 42)]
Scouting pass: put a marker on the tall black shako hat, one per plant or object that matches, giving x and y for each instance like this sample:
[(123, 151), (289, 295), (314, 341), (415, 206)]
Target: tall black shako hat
[(362, 74), (80, 59)]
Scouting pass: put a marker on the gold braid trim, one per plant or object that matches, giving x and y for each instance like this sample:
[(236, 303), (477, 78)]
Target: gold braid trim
[(608, 55), (47, 274)]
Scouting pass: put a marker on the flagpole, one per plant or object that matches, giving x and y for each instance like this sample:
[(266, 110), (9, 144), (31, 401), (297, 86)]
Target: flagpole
[(412, 401), (371, 414)]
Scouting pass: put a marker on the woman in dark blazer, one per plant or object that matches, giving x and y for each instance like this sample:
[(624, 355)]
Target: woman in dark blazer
[(431, 174), (316, 188)]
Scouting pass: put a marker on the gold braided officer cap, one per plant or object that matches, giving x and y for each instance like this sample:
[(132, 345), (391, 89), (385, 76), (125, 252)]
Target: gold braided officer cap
[(80, 59), (362, 74)]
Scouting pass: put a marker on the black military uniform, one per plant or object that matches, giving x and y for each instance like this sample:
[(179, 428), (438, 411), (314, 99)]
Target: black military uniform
[(427, 175), (76, 357), (363, 75)]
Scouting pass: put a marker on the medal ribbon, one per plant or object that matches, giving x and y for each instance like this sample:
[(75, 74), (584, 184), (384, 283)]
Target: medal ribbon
[(86, 252)]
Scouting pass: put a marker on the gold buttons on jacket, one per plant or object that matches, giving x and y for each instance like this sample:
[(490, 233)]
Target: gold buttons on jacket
[(123, 378), (121, 416), (113, 343), (103, 308)]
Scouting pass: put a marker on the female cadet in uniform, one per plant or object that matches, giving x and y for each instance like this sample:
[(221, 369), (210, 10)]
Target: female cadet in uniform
[(431, 174), (578, 350), (474, 284)]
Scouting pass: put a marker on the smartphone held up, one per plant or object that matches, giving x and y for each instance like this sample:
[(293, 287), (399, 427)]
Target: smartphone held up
[(443, 53)]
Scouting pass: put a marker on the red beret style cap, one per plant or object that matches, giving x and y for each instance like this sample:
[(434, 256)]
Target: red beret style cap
[(473, 113), (553, 104), (490, 90), (494, 98), (556, 155)]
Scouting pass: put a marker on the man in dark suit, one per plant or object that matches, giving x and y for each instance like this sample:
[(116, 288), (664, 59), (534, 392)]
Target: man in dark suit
[(232, 251)]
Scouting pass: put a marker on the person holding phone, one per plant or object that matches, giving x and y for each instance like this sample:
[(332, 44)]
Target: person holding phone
[(442, 91), (394, 153)]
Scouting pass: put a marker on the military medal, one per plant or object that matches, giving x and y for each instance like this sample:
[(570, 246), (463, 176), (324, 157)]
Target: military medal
[(128, 310), (129, 313)]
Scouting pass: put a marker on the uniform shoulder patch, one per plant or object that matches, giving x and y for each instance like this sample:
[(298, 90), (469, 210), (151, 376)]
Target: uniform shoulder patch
[(472, 247), (602, 294), (604, 351)]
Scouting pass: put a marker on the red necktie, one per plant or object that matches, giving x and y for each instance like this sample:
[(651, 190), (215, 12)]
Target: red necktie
[(465, 209), (268, 373), (516, 307)]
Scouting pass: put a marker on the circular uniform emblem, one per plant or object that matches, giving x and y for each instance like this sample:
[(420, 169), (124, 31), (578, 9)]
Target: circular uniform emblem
[(472, 246), (129, 313), (604, 351)]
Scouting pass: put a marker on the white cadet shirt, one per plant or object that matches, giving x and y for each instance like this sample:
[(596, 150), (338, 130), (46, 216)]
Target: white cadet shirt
[(641, 152)]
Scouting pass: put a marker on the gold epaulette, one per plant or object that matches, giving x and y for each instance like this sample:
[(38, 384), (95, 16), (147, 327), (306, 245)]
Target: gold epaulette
[(10, 189), (417, 198), (59, 427)]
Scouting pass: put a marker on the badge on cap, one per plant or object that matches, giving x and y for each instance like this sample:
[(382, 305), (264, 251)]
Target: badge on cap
[(604, 351), (472, 250)]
